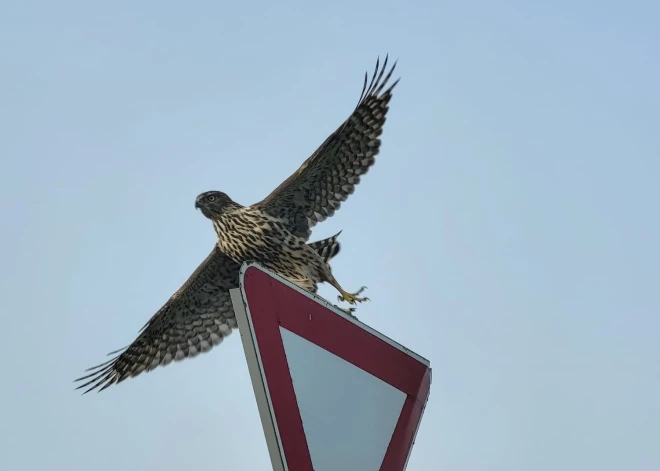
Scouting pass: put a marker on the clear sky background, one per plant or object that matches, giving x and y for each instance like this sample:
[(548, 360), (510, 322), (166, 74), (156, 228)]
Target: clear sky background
[(508, 231)]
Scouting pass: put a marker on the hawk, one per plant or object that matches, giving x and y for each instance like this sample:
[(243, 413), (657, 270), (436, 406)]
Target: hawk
[(273, 232)]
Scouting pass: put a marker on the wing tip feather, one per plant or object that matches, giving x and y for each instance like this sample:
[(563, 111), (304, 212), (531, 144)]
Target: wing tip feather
[(377, 83)]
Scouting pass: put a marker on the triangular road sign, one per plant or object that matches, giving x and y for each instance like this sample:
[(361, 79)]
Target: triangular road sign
[(333, 394)]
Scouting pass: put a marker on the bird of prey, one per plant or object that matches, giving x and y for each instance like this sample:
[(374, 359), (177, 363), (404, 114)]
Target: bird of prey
[(273, 232)]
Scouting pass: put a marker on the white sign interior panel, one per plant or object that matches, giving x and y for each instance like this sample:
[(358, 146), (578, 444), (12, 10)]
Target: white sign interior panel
[(348, 415)]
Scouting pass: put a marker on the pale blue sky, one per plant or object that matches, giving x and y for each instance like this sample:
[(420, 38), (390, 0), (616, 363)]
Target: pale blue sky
[(508, 232)]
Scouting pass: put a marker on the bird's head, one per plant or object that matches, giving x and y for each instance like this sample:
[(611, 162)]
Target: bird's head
[(213, 203)]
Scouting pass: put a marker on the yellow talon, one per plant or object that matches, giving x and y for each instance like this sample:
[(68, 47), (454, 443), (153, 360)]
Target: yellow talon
[(352, 298)]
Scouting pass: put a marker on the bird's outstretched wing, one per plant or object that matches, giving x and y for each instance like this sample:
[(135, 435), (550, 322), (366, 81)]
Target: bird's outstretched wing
[(195, 319), (316, 190)]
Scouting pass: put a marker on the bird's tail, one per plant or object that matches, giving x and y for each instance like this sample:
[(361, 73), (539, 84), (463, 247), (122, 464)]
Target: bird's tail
[(327, 248)]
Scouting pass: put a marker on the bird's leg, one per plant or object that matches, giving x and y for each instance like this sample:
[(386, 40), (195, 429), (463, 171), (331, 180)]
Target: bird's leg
[(350, 298)]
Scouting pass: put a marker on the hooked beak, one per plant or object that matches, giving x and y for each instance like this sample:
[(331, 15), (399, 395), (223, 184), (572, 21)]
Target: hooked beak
[(197, 204)]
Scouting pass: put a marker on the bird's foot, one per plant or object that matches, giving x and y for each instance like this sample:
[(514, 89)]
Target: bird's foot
[(352, 298)]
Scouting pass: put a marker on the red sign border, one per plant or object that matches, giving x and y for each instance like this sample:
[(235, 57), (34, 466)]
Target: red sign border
[(273, 304)]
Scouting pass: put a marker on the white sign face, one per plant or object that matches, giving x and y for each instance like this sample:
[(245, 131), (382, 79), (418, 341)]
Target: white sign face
[(348, 414), (333, 394)]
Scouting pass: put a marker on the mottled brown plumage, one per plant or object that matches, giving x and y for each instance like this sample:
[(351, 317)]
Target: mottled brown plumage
[(249, 234), (273, 232)]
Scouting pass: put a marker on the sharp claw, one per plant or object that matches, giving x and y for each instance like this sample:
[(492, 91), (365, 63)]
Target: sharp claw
[(352, 298)]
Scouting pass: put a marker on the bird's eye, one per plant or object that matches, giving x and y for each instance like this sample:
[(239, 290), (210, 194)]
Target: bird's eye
[(210, 198)]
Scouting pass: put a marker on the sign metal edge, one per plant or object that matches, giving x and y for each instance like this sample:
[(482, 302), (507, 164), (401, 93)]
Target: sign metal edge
[(259, 385)]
